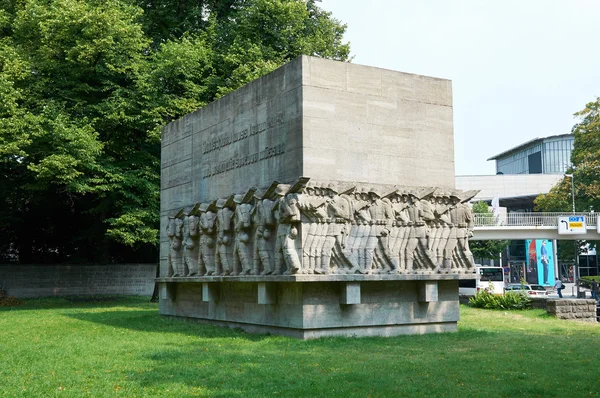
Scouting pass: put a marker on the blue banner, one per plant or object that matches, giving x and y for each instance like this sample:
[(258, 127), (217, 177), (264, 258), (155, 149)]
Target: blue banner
[(540, 262)]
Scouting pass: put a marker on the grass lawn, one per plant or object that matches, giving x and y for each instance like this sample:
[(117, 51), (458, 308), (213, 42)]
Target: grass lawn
[(57, 348)]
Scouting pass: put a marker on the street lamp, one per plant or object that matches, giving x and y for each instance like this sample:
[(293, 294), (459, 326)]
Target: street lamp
[(572, 189), (576, 267)]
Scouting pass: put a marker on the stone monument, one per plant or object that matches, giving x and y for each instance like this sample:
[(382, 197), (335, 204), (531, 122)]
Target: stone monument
[(317, 200)]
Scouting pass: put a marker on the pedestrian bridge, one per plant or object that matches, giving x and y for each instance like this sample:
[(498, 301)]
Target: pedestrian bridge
[(517, 226)]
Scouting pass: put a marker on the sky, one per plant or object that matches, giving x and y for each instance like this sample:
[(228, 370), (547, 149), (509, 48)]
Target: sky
[(520, 69)]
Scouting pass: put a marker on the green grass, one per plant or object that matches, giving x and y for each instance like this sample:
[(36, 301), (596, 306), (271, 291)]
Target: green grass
[(123, 348)]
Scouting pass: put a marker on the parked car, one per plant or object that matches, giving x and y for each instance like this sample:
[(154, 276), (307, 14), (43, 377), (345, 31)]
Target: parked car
[(530, 289)]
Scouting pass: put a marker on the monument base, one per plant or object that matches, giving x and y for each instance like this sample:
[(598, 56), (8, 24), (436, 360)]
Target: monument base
[(308, 306)]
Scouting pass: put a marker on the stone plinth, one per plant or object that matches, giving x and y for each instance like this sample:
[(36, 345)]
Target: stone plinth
[(311, 307), (578, 310)]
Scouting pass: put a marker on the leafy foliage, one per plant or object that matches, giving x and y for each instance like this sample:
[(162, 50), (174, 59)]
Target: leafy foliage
[(508, 301), (585, 160), (486, 249), (85, 87)]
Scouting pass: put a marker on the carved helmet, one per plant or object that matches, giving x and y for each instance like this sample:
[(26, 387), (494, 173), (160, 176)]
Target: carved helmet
[(331, 187), (281, 190), (221, 203), (374, 192), (238, 198)]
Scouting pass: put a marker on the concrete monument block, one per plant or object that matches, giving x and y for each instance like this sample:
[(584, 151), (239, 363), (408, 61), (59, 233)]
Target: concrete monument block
[(318, 197)]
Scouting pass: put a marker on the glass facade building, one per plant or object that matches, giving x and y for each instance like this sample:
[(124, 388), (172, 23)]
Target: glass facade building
[(550, 155)]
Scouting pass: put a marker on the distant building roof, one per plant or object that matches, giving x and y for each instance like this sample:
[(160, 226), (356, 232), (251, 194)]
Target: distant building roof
[(527, 144)]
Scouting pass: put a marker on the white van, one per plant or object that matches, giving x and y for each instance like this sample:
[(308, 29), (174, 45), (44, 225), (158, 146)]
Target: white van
[(490, 278)]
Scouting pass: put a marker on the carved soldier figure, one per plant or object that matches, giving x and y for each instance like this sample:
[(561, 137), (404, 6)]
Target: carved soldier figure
[(442, 215), (175, 234), (309, 205), (353, 234), (391, 248), (400, 205), (452, 241), (465, 226), (345, 216), (224, 231), (319, 212), (242, 223), (288, 217), (264, 220), (381, 218), (206, 258), (419, 213), (434, 227), (337, 209), (362, 218), (191, 245)]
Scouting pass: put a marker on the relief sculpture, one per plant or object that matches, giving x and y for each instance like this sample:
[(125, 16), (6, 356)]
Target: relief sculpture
[(264, 220), (314, 227), (191, 244), (242, 223), (206, 257), (223, 263), (175, 256)]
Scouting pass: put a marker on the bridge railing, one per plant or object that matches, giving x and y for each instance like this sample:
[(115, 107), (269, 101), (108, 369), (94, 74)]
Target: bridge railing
[(528, 219)]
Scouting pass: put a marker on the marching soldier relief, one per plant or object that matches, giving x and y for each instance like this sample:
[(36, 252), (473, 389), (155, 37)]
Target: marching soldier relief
[(317, 230), (317, 200)]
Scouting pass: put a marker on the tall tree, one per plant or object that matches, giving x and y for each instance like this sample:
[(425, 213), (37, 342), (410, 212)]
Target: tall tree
[(585, 160), (85, 87), (585, 192)]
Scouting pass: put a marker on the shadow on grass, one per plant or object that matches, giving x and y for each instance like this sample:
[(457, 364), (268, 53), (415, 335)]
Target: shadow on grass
[(148, 320), (224, 362), (430, 365), (186, 357)]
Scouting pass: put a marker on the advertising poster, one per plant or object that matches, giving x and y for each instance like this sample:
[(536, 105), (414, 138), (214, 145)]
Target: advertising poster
[(540, 262)]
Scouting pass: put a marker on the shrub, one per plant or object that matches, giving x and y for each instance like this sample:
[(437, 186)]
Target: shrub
[(6, 300), (586, 281), (510, 301)]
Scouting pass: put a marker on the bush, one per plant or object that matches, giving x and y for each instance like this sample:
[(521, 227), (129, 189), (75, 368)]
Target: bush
[(586, 281), (510, 301)]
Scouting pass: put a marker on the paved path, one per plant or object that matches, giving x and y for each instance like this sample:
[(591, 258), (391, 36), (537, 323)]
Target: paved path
[(570, 291)]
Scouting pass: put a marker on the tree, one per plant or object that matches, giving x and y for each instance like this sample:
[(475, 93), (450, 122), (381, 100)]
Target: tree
[(85, 87), (585, 167), (486, 249)]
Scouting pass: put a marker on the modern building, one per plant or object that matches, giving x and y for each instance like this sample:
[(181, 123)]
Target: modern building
[(523, 173), (549, 155)]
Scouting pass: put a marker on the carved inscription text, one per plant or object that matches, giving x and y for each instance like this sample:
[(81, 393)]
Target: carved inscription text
[(230, 137), (235, 162)]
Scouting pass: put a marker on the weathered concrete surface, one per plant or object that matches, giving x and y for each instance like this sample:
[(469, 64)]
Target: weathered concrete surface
[(369, 124), (317, 309)]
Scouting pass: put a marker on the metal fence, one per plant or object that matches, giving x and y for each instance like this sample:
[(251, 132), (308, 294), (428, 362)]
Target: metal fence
[(528, 219)]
